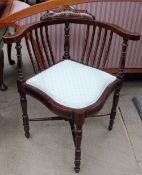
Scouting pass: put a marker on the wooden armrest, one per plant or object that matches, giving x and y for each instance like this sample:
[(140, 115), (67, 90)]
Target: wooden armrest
[(13, 38), (124, 33)]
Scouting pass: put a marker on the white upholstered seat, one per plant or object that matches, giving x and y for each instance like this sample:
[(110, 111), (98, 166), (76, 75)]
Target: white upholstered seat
[(72, 84)]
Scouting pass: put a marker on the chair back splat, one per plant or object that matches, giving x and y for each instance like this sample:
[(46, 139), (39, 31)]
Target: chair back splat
[(66, 45), (72, 81), (39, 40)]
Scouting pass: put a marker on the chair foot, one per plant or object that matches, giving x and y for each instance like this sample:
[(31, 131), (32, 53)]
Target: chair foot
[(113, 110), (3, 87), (79, 120), (77, 166), (110, 127), (27, 135), (76, 170), (26, 126), (11, 62), (111, 123)]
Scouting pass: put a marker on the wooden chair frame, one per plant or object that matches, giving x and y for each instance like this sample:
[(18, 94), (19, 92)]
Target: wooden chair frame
[(75, 117)]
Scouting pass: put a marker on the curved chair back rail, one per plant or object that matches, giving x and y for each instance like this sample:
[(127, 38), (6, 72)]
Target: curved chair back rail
[(95, 42), (106, 11), (115, 28)]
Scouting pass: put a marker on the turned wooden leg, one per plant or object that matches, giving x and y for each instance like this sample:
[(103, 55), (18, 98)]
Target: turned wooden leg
[(25, 115), (9, 47), (79, 120), (3, 87), (78, 138), (21, 89), (71, 122), (113, 110)]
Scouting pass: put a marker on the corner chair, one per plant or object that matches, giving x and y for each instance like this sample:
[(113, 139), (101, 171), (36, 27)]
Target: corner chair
[(74, 88)]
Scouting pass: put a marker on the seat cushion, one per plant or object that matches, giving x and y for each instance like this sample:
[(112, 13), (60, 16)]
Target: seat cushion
[(72, 84)]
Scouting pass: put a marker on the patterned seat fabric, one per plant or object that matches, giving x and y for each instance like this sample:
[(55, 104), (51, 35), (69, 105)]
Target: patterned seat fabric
[(72, 84)]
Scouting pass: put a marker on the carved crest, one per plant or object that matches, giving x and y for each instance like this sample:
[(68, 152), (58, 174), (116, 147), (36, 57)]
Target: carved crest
[(66, 12)]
